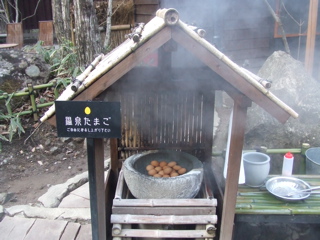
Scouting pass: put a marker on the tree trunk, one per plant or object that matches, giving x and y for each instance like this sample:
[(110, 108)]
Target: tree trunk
[(87, 34), (108, 27), (62, 20)]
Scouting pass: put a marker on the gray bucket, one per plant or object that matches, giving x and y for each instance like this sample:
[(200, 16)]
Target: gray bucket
[(313, 161)]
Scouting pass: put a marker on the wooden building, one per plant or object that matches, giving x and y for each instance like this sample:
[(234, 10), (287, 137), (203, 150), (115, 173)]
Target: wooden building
[(167, 105)]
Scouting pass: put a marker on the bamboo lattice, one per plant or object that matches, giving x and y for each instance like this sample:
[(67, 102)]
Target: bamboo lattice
[(163, 120)]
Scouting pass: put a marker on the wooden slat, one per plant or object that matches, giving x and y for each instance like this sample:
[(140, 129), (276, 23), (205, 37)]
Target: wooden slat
[(192, 202), (46, 229), (71, 231), (165, 210), (182, 234), (84, 232), (15, 228), (163, 219)]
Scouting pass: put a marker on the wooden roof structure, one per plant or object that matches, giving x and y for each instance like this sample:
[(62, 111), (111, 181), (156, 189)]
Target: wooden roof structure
[(241, 85)]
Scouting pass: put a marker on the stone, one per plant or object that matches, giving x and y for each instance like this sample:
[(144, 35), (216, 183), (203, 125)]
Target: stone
[(1, 212), (33, 71), (3, 197), (19, 66), (56, 193), (292, 84), (73, 214), (54, 150)]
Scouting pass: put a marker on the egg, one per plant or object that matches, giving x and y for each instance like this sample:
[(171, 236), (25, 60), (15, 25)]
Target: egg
[(176, 167), (161, 172), (157, 175), (152, 172), (154, 163), (182, 171), (162, 164), (171, 164), (149, 167), (167, 170), (166, 176), (174, 174), (158, 169)]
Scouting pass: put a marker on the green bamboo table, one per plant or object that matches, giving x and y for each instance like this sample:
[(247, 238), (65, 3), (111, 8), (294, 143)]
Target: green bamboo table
[(257, 204)]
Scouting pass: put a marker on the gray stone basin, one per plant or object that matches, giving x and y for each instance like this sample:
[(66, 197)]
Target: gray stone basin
[(144, 186)]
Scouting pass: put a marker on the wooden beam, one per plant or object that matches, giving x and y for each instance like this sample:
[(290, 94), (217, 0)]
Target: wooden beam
[(163, 219), (235, 154), (97, 189), (123, 67), (311, 35), (229, 75)]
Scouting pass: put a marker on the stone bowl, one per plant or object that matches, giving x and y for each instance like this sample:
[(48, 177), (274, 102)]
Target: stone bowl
[(143, 186)]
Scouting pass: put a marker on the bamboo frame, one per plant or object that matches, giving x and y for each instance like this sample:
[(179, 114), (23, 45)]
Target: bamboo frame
[(259, 201), (29, 91)]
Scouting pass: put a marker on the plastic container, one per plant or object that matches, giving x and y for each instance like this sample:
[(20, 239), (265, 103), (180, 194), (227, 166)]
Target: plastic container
[(287, 165), (313, 161), (256, 168)]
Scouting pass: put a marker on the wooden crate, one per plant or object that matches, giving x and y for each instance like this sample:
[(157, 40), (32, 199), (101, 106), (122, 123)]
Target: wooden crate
[(163, 218)]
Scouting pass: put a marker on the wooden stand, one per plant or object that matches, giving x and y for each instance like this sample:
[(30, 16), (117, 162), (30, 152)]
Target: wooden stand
[(162, 218), (46, 32), (15, 34)]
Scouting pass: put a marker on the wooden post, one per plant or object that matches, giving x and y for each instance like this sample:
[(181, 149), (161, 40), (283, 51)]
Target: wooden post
[(46, 32), (311, 35), (235, 154), (96, 187), (15, 34)]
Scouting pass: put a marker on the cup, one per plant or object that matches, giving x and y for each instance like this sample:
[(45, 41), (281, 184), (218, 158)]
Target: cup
[(256, 168)]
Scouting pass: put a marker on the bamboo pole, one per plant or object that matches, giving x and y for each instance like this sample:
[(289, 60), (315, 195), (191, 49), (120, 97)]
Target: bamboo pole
[(121, 27), (78, 81), (223, 58), (33, 102), (109, 61), (25, 91)]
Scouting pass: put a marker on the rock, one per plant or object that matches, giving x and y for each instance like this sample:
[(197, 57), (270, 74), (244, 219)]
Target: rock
[(18, 67), (54, 150), (56, 193), (1, 212), (74, 214), (294, 86), (3, 197), (33, 71)]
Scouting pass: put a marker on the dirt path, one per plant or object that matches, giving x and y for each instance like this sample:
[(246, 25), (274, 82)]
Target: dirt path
[(28, 169)]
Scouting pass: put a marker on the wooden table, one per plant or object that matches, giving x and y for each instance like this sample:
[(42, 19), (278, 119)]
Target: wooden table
[(8, 45), (257, 204)]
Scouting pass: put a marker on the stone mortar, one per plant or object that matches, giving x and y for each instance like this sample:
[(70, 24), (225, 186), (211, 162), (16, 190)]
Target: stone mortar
[(144, 186)]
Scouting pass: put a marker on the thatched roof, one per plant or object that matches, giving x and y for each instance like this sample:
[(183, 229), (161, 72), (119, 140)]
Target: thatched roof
[(164, 26)]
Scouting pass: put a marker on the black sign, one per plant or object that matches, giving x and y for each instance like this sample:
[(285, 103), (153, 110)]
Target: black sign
[(88, 119)]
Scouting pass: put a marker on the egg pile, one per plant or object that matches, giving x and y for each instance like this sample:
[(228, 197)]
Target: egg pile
[(164, 169)]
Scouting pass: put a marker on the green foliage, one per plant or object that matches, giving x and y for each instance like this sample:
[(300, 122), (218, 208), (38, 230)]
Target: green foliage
[(63, 60), (14, 122)]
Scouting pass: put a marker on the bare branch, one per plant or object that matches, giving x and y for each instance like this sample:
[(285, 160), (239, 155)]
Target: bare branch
[(278, 20), (34, 13)]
